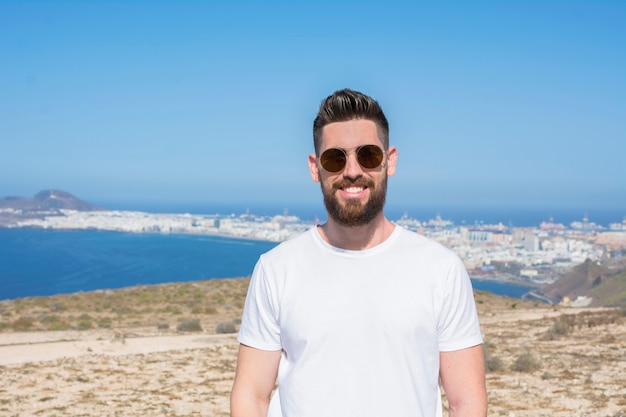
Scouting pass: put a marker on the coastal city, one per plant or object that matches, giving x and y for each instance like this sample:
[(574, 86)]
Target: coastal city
[(529, 256)]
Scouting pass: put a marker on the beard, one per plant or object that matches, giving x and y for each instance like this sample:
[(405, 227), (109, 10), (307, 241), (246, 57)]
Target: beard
[(354, 213)]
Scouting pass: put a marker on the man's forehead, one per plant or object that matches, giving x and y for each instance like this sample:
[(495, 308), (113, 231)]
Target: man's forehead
[(355, 127)]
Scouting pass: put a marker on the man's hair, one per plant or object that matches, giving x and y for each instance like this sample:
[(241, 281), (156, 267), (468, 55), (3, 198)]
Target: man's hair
[(344, 105)]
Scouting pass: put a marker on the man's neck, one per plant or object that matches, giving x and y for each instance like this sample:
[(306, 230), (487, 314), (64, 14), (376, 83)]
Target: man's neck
[(359, 237)]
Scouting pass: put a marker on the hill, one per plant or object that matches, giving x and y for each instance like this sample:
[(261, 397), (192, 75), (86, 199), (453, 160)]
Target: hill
[(604, 282), (44, 203), (611, 291), (47, 200), (168, 349)]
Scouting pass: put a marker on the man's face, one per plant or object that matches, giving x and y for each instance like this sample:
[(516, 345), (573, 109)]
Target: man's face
[(355, 195)]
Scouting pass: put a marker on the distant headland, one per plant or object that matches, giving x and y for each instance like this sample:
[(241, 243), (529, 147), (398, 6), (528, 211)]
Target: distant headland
[(46, 202)]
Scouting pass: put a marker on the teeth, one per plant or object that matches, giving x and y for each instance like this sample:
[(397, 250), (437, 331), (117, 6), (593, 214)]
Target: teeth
[(353, 189)]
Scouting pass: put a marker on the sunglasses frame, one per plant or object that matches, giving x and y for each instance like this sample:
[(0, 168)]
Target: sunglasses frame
[(356, 153)]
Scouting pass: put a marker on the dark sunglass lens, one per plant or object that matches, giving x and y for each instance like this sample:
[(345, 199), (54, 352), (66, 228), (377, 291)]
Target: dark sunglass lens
[(370, 156), (333, 160)]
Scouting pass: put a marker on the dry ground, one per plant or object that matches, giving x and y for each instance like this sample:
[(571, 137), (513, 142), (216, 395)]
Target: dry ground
[(138, 351)]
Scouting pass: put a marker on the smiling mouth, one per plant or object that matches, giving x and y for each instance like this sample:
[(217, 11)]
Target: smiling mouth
[(353, 189)]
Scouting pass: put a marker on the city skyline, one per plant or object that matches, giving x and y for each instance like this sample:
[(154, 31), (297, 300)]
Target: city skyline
[(507, 104)]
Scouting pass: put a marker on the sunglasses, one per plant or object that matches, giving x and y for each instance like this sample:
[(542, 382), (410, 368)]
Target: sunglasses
[(335, 159)]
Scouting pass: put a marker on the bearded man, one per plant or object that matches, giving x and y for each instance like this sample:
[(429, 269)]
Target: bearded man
[(358, 316)]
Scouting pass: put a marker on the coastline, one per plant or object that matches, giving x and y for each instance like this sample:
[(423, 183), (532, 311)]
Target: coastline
[(504, 279), (524, 257)]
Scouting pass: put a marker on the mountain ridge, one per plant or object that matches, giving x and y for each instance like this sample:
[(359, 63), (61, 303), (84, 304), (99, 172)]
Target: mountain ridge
[(47, 200), (45, 203), (604, 282)]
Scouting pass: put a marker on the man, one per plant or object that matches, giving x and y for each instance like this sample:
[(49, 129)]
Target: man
[(358, 316)]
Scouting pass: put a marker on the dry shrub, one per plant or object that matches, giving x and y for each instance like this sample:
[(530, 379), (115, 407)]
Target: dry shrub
[(84, 322), (190, 325), (105, 323), (560, 327), (492, 363), (226, 327), (608, 338), (525, 362), (49, 319), (57, 306), (23, 323)]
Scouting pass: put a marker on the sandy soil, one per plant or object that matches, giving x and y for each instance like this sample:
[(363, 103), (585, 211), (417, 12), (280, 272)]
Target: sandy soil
[(575, 369)]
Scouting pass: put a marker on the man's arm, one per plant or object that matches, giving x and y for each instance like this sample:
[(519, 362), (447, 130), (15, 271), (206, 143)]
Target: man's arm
[(462, 375), (254, 381)]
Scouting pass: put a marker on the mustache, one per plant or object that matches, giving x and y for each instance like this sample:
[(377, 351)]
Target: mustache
[(358, 182)]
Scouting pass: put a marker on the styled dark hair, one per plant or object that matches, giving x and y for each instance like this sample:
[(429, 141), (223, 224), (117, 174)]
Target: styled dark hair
[(344, 105)]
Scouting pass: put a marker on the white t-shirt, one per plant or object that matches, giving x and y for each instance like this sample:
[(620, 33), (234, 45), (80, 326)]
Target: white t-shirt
[(360, 331)]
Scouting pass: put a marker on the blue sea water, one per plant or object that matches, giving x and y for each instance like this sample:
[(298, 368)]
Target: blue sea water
[(36, 262), (500, 288), (45, 262)]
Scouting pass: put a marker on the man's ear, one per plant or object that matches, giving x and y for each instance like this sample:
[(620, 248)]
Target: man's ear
[(314, 168), (392, 160)]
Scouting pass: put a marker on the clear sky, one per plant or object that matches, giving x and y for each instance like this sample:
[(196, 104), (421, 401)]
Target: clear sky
[(490, 102)]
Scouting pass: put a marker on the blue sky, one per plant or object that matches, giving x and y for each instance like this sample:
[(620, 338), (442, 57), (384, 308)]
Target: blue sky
[(490, 103)]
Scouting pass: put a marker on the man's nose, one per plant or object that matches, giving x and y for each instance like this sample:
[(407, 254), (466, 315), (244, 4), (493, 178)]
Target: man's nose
[(352, 169)]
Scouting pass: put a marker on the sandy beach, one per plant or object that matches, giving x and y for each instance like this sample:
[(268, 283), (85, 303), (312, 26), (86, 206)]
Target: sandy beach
[(574, 362)]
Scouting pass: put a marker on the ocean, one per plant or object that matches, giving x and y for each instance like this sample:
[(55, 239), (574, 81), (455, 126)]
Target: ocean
[(35, 262)]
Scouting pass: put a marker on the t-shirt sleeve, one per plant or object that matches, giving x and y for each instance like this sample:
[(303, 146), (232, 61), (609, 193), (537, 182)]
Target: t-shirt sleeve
[(259, 325), (458, 325)]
